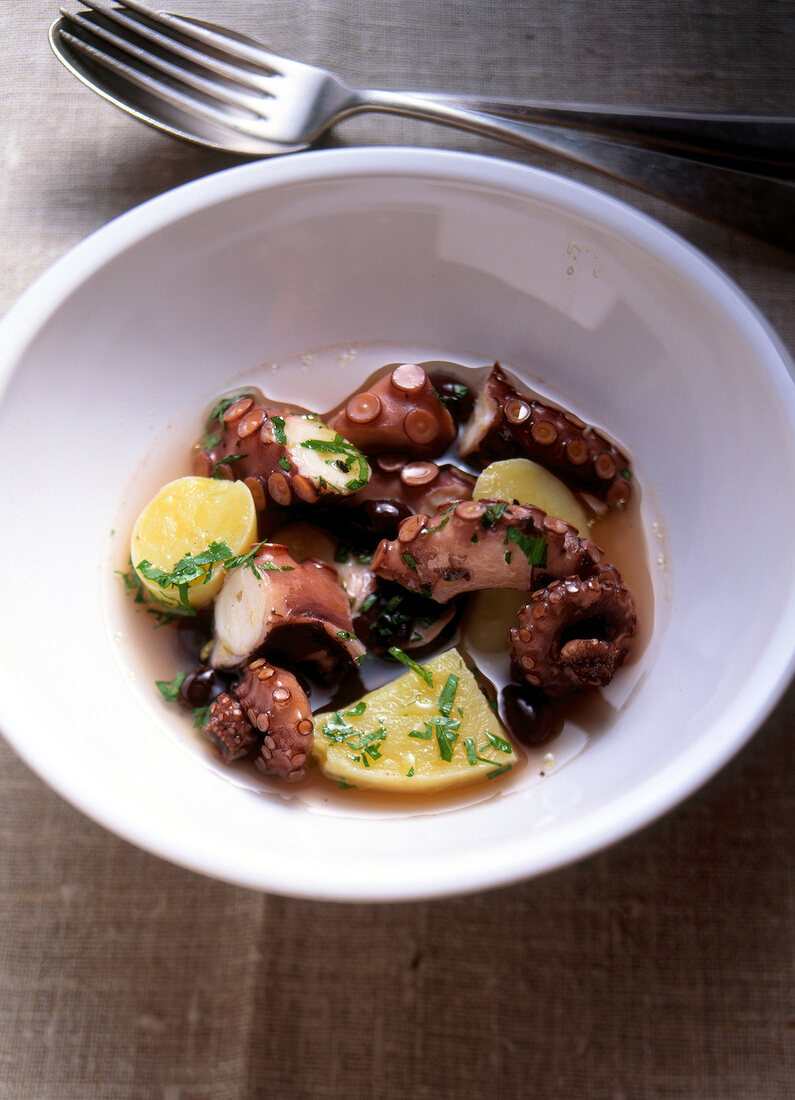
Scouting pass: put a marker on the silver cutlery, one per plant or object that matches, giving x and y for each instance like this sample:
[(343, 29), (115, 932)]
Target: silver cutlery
[(215, 87)]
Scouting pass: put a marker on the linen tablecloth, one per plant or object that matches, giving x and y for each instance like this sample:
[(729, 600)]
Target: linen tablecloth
[(662, 968)]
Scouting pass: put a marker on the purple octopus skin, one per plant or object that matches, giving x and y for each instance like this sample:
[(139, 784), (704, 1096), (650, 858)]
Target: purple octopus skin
[(472, 545), (574, 633), (506, 424), (276, 597), (266, 712), (254, 449), (229, 730), (400, 412), (422, 485)]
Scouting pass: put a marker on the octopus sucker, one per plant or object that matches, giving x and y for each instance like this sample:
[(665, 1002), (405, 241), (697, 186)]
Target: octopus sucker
[(267, 713), (471, 545), (574, 633), (285, 458), (507, 424), (400, 412)]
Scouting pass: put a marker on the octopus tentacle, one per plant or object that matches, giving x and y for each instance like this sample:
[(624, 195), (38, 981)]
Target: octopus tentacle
[(276, 705), (274, 596), (574, 633), (399, 486), (472, 545), (267, 713), (400, 412), (284, 458), (229, 730), (506, 424)]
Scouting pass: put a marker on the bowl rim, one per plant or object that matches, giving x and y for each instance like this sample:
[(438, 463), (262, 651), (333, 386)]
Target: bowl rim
[(629, 812)]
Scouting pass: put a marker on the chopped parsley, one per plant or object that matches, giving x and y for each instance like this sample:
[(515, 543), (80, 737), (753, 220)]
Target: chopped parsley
[(424, 673), (190, 568), (364, 746), (455, 392), (410, 560), (278, 430), (169, 689), (447, 698), (534, 549), (225, 403), (350, 458), (493, 513), (285, 463), (223, 461)]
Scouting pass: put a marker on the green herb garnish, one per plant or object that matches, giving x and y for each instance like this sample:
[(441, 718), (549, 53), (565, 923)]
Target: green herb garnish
[(169, 689), (493, 513), (222, 461), (278, 430), (189, 569), (447, 697), (424, 673), (534, 549)]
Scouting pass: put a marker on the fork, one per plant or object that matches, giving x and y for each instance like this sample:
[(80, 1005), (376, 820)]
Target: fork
[(228, 91)]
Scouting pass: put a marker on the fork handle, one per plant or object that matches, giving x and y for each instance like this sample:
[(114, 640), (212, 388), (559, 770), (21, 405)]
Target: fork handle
[(762, 206), (760, 138)]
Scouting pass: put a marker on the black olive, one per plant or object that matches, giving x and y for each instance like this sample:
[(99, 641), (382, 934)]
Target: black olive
[(200, 687), (383, 517), (458, 398), (528, 714)]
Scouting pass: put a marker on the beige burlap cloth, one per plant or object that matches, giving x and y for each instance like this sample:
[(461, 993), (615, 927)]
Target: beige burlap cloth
[(660, 969)]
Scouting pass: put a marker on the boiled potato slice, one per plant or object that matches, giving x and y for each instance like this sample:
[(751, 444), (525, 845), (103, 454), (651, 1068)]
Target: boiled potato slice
[(526, 482), (426, 731), (189, 516)]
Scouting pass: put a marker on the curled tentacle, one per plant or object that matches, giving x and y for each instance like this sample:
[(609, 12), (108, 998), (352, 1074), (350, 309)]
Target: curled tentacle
[(276, 705), (506, 424), (267, 713), (229, 730), (284, 458), (574, 633), (276, 601), (472, 545), (400, 412)]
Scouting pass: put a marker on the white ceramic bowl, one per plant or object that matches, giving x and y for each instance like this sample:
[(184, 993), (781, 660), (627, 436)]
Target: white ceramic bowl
[(108, 360)]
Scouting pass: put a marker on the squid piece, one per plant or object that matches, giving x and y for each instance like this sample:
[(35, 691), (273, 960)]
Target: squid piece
[(574, 633), (400, 412), (267, 712), (506, 424), (276, 601), (482, 544), (284, 458)]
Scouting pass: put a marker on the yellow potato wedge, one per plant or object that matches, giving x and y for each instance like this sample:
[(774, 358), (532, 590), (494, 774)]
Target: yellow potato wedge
[(526, 482), (429, 730), (189, 516)]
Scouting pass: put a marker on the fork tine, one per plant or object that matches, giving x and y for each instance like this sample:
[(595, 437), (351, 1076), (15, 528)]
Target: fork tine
[(254, 54), (190, 104), (172, 45), (212, 88)]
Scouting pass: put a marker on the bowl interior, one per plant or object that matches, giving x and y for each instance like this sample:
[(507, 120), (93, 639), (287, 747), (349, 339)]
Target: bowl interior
[(303, 276)]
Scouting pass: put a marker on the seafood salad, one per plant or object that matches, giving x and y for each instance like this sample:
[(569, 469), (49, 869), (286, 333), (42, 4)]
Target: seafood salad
[(330, 575)]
